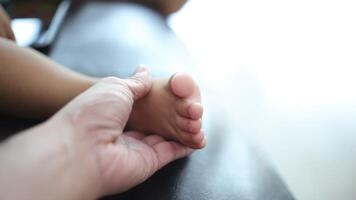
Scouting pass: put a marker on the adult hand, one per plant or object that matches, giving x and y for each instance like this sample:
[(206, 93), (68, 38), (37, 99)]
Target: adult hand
[(82, 151), (5, 27), (97, 118)]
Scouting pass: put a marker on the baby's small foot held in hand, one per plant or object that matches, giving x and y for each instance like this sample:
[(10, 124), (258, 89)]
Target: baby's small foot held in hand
[(172, 109), (188, 109)]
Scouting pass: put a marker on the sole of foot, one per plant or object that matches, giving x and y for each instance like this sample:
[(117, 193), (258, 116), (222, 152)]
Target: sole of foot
[(173, 110)]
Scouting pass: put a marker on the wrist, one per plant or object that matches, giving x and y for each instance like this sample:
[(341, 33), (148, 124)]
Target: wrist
[(78, 178), (42, 164)]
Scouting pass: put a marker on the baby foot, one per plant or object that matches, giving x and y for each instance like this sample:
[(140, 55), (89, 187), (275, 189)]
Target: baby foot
[(171, 109)]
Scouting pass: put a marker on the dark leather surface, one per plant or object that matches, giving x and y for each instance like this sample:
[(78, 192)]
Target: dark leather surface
[(104, 39), (111, 39), (227, 169)]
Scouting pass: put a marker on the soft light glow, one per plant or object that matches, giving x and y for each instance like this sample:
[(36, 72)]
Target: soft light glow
[(286, 71), (26, 30), (303, 52)]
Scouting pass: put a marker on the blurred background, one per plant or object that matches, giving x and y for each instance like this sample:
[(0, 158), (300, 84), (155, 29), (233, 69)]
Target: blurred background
[(282, 72), (286, 73)]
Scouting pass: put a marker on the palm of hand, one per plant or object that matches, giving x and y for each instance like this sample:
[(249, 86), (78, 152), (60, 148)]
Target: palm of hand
[(134, 157), (122, 160)]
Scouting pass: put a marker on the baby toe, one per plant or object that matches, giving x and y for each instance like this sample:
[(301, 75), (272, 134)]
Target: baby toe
[(200, 140), (182, 85), (196, 141), (192, 110), (195, 111), (183, 107), (188, 125)]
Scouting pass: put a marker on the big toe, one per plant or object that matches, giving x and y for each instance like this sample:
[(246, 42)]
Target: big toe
[(182, 85)]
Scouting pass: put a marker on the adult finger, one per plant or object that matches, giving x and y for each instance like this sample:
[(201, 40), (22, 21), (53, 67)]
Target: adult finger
[(140, 83), (152, 140), (169, 151), (135, 134)]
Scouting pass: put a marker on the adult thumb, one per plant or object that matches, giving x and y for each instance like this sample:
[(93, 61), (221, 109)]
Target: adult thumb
[(140, 83)]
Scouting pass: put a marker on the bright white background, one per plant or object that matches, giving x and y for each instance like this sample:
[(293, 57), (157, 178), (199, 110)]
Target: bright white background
[(299, 58)]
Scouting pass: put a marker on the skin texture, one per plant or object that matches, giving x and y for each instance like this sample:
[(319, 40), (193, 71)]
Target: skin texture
[(82, 151), (5, 27), (174, 109), (42, 86)]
